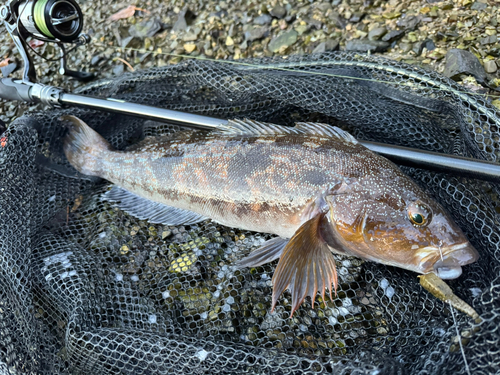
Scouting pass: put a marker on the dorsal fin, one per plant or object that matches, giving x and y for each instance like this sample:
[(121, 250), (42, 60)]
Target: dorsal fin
[(250, 127), (318, 128)]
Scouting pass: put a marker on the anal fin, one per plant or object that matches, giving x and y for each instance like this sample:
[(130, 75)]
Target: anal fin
[(306, 265), (154, 212)]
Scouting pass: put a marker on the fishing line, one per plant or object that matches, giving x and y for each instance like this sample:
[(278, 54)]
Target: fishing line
[(264, 67), (459, 337), (43, 39)]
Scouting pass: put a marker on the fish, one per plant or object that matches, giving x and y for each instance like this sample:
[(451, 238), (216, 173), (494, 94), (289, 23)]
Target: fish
[(314, 186)]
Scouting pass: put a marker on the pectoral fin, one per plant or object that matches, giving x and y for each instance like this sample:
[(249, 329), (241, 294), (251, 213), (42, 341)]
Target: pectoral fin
[(306, 265)]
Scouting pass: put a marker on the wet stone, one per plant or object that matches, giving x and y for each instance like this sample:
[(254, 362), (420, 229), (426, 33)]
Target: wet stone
[(478, 6), (278, 11), (419, 46), (463, 62), (365, 45), (256, 33), (337, 20), (263, 19), (409, 22), (147, 28), (405, 47), (8, 69), (393, 35), (96, 60), (490, 39), (329, 45), (284, 40), (377, 33), (184, 19), (490, 66), (356, 17)]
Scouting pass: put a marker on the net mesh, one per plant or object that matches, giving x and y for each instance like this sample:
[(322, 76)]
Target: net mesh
[(86, 288)]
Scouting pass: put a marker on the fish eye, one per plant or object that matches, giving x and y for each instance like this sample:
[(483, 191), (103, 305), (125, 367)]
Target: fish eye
[(419, 214)]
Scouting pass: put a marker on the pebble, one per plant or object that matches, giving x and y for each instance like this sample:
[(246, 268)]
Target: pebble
[(419, 46), (329, 45), (356, 17), (366, 45), (8, 69), (460, 62), (189, 47), (184, 19), (393, 35), (263, 19), (284, 40), (337, 20), (278, 11), (478, 6), (490, 66), (377, 33), (409, 22), (405, 47), (256, 33), (489, 39)]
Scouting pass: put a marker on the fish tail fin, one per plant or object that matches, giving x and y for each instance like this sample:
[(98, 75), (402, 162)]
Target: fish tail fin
[(84, 147)]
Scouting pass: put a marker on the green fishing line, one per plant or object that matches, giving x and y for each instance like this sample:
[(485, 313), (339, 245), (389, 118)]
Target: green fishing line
[(38, 13)]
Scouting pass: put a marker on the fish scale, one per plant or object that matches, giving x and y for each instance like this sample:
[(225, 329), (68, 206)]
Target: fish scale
[(313, 185)]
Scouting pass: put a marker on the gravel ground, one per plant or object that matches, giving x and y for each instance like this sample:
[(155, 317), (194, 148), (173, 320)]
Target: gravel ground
[(158, 32)]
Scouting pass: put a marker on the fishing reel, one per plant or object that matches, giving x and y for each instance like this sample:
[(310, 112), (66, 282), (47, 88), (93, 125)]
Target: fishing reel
[(52, 21)]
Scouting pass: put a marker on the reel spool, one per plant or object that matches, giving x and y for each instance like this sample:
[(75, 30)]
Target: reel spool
[(52, 19)]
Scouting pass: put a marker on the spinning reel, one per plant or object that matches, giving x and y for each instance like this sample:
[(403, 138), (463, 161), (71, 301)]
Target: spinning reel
[(53, 21)]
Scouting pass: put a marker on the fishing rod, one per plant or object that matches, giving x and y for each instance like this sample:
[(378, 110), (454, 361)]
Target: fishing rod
[(61, 22)]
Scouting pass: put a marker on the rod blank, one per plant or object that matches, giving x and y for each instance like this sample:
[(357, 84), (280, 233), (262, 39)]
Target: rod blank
[(401, 155)]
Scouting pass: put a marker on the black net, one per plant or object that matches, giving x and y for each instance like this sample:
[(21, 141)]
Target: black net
[(86, 288)]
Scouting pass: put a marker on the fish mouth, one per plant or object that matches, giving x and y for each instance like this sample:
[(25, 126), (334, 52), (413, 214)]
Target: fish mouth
[(449, 265)]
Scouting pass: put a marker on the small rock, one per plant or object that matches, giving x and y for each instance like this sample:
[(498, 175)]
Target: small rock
[(95, 60), (405, 47), (337, 20), (460, 62), (409, 22), (391, 15), (490, 66), (419, 46), (329, 45), (278, 11), (393, 35), (8, 69), (189, 47), (118, 69), (184, 19), (256, 33), (190, 36), (376, 33), (488, 39), (229, 41), (478, 6), (366, 45), (284, 40), (264, 19), (356, 17), (147, 28)]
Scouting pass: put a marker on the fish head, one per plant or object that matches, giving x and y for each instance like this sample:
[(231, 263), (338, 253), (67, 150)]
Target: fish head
[(409, 231)]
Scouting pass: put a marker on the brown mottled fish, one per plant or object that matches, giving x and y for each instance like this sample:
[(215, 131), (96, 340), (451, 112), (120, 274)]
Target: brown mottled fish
[(313, 185)]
